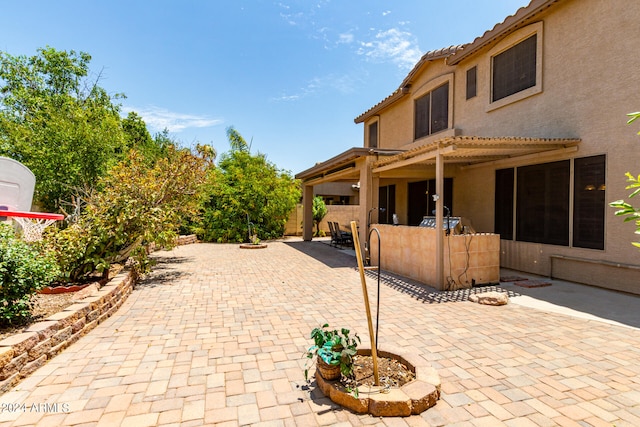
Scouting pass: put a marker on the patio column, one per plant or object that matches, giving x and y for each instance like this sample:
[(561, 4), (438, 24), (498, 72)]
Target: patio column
[(307, 212), (439, 221), (366, 200)]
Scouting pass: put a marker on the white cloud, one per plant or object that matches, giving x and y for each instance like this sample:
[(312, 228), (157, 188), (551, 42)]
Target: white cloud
[(292, 19), (392, 45), (286, 98), (158, 119), (344, 84), (398, 46), (345, 38)]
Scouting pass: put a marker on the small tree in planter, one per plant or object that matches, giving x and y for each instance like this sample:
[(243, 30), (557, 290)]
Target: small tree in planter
[(319, 212)]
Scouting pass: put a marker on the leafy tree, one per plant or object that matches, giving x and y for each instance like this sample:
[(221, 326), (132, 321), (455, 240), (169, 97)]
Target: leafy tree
[(626, 209), (61, 125), (138, 204), (247, 188), (138, 137), (236, 141), (319, 212)]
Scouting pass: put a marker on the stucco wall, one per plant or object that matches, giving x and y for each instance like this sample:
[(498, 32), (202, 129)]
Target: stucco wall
[(342, 214), (590, 81), (410, 252)]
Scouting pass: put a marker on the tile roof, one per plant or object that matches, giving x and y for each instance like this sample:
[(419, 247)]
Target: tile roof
[(406, 83), (522, 17)]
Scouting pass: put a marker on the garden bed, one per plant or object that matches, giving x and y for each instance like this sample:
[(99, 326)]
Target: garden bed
[(44, 305), (24, 351), (412, 398)]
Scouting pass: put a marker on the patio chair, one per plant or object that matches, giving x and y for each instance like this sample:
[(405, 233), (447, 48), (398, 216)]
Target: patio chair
[(345, 237), (334, 235)]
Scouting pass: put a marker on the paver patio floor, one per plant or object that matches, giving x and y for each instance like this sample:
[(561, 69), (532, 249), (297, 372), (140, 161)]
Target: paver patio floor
[(215, 336)]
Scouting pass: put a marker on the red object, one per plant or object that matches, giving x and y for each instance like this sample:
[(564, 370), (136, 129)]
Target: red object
[(34, 215), (62, 289)]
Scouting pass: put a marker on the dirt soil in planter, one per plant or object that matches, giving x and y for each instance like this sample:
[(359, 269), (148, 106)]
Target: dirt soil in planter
[(45, 305), (390, 372)]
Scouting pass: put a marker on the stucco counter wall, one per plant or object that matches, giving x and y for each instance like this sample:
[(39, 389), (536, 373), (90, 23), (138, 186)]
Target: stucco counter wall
[(411, 252)]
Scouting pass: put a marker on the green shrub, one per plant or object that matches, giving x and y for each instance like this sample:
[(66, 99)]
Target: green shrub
[(247, 189), (23, 272), (137, 205)]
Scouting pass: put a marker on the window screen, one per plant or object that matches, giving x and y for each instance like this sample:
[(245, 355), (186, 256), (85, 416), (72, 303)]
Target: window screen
[(542, 203), (440, 108), (514, 70), (373, 135), (432, 112), (503, 221), (471, 82), (589, 202), (422, 107)]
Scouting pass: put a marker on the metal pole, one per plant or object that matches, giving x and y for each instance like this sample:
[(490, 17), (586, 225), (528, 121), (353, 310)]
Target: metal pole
[(378, 295)]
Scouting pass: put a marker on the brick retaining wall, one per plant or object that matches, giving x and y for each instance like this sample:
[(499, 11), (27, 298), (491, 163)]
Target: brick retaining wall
[(22, 354), (186, 239)]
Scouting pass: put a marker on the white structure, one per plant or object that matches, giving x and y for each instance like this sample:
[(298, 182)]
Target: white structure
[(17, 184)]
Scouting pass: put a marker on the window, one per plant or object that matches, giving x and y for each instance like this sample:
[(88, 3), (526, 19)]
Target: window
[(515, 66), (514, 70), (503, 221), (542, 203), (422, 106), (589, 202), (387, 204), (421, 202), (373, 135), (432, 112), (472, 76)]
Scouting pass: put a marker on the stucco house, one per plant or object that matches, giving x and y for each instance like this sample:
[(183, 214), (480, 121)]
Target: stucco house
[(520, 133)]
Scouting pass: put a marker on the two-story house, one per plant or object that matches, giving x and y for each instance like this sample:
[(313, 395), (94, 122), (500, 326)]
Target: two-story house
[(521, 133)]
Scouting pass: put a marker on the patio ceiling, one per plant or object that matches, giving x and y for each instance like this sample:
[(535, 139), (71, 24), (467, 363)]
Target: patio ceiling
[(342, 167), (472, 150)]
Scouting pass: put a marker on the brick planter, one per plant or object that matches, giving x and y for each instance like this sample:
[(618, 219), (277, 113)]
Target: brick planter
[(253, 245), (188, 239), (412, 398), (22, 354)]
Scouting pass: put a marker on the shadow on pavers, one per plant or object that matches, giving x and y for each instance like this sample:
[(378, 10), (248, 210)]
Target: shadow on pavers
[(429, 295), (330, 256), (163, 272), (335, 258)]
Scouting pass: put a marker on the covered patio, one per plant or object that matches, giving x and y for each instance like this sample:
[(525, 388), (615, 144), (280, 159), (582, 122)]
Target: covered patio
[(453, 157)]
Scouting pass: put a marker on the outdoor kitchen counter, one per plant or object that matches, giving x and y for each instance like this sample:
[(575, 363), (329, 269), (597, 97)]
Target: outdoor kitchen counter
[(411, 252)]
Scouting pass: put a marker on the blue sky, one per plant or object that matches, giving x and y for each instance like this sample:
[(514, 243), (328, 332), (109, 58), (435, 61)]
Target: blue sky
[(290, 75)]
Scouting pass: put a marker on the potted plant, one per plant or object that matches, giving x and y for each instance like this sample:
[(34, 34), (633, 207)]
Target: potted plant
[(333, 351)]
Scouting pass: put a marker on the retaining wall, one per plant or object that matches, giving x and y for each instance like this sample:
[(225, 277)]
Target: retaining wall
[(23, 353)]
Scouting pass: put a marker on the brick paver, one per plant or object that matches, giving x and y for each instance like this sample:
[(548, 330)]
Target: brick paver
[(215, 336)]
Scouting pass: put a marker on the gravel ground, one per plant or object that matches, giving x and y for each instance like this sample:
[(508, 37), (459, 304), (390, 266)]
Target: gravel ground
[(44, 305)]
